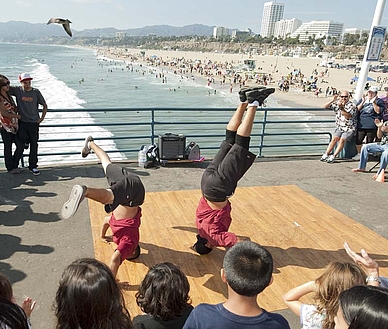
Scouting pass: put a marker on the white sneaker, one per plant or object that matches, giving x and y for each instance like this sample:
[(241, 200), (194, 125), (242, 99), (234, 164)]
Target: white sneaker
[(70, 207), (324, 157), (330, 159), (357, 157)]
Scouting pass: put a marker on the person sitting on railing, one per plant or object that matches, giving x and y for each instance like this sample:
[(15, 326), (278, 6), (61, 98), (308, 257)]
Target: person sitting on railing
[(122, 199), (380, 147), (346, 124), (220, 178), (369, 108)]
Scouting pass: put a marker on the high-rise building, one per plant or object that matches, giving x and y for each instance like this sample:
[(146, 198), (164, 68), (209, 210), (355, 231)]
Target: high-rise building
[(285, 27), (273, 12), (219, 31)]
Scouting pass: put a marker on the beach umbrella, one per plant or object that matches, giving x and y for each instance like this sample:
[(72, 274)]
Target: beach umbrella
[(367, 79)]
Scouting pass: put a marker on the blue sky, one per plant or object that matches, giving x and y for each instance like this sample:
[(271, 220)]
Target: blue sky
[(123, 14)]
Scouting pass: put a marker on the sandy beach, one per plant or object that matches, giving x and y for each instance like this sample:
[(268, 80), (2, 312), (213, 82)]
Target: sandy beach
[(276, 66)]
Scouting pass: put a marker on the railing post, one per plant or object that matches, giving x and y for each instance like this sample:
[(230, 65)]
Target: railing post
[(262, 133), (152, 126)]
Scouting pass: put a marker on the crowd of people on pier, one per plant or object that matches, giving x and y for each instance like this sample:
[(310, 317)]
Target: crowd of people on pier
[(364, 123)]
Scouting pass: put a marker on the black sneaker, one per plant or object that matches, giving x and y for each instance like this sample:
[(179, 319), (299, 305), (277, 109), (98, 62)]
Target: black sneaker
[(135, 254), (259, 95), (244, 90), (26, 146), (241, 94), (86, 149), (35, 171), (200, 246)]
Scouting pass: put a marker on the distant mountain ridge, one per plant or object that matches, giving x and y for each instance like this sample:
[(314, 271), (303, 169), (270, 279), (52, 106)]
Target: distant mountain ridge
[(16, 30)]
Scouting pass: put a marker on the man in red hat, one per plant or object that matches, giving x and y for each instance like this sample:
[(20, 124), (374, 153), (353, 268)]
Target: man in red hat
[(28, 100)]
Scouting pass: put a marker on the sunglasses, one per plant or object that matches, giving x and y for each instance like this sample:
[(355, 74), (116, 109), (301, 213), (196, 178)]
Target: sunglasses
[(5, 84), (344, 96)]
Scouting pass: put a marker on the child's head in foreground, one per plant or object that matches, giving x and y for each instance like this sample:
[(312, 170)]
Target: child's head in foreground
[(164, 291), (248, 268), (89, 297), (6, 288), (362, 307)]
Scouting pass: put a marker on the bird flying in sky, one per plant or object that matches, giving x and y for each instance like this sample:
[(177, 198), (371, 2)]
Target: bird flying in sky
[(64, 22)]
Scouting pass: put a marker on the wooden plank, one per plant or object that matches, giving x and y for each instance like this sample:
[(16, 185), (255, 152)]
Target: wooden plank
[(302, 233)]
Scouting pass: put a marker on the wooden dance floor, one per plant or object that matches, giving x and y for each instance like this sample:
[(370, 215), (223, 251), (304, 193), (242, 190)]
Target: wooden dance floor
[(302, 233)]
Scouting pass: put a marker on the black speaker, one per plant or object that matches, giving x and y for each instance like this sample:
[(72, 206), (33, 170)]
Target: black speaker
[(172, 147)]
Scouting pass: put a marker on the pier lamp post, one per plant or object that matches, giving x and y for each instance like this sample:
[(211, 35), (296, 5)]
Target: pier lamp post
[(366, 64)]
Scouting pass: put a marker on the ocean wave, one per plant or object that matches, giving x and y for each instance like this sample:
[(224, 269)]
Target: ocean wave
[(55, 91), (60, 96)]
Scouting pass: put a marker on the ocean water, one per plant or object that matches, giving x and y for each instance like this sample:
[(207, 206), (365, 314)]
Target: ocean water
[(57, 72), (73, 78)]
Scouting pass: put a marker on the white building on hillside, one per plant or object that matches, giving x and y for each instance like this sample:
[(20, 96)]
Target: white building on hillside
[(354, 30), (319, 29), (272, 13), (242, 34), (120, 35), (220, 31), (285, 27)]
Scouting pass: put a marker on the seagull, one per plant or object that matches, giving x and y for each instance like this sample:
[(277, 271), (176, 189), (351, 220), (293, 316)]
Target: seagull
[(65, 23)]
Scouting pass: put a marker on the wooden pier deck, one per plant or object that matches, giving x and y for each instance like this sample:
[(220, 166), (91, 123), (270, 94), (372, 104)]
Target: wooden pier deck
[(302, 233)]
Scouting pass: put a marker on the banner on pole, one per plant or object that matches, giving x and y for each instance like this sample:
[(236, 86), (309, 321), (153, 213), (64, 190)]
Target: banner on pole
[(376, 43)]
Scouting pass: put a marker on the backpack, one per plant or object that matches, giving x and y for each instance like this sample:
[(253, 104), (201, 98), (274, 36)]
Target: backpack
[(152, 154), (192, 151)]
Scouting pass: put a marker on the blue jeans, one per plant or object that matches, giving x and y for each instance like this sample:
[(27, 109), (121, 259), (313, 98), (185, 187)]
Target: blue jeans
[(384, 282), (374, 148)]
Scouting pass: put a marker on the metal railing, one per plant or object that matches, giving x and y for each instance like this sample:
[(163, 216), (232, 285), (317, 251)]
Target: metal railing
[(121, 132)]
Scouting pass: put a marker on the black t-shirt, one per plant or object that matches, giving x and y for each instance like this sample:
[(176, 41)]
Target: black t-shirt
[(147, 321)]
